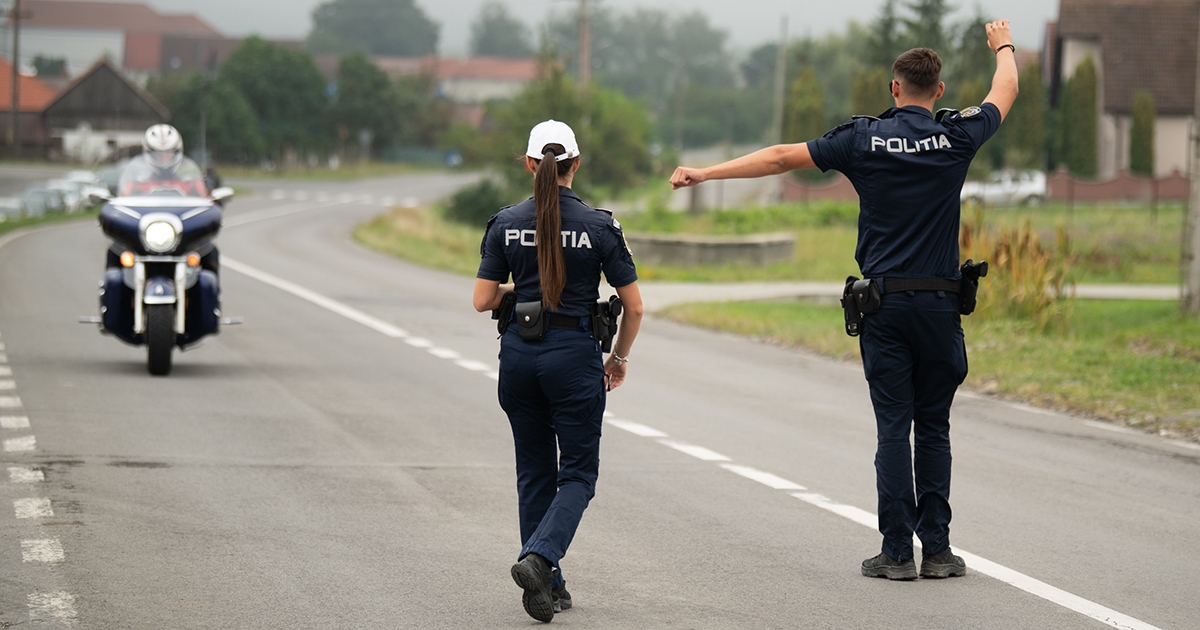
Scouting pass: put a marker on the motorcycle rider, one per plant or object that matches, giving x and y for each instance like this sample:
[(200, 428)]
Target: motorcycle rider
[(163, 169)]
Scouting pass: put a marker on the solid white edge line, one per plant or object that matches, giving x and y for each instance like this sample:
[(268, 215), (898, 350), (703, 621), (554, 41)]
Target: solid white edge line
[(44, 550), (699, 452), (20, 445), (765, 478), (25, 474), (635, 428), (33, 507), (14, 422), (57, 607), (334, 306)]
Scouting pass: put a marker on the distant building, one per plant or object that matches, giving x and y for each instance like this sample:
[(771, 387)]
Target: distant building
[(1137, 45), (468, 83), (35, 96), (134, 37), (100, 113)]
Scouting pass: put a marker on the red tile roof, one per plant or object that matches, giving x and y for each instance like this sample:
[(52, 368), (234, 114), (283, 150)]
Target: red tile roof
[(35, 95), (117, 16)]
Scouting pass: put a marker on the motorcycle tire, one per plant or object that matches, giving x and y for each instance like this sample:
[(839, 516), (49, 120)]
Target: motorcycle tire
[(160, 337)]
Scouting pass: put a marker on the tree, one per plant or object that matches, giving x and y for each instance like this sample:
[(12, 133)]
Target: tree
[(286, 92), (1025, 124), (972, 57), (231, 128), (805, 117), (925, 29), (1079, 120), (870, 95), (50, 67), (885, 42), (366, 99), (397, 28), (495, 33), (1141, 136)]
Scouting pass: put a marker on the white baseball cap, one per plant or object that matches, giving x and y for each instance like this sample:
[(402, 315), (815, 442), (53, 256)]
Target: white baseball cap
[(552, 132)]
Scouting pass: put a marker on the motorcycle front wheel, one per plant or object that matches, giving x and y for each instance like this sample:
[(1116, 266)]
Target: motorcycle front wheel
[(160, 337)]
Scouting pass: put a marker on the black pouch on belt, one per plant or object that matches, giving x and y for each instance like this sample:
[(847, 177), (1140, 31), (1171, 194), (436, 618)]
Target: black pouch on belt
[(531, 320), (504, 314)]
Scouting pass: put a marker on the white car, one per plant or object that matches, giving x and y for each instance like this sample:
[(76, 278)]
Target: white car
[(1007, 188)]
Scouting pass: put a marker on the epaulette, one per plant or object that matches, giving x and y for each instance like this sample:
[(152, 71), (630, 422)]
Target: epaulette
[(608, 212), (944, 112), (864, 117)]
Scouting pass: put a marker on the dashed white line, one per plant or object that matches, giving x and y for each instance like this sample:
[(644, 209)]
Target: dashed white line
[(699, 452), (25, 474), (765, 478), (7, 385), (495, 376), (387, 201), (20, 445), (10, 402), (278, 194), (2, 348), (444, 353), (5, 370), (419, 342), (45, 550), (57, 607), (3, 358), (14, 422), (36, 507), (474, 366), (635, 428)]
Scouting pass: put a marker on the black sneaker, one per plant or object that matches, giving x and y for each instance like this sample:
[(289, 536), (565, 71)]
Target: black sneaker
[(883, 566), (943, 564), (561, 598), (534, 574)]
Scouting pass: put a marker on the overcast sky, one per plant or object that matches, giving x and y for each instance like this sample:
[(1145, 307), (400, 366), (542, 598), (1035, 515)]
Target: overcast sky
[(749, 22)]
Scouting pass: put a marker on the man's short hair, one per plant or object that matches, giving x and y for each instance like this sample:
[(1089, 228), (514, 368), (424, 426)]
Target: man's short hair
[(920, 69)]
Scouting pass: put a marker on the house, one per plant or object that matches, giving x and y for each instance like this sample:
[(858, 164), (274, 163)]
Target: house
[(101, 112), (135, 37), (34, 96), (1137, 45)]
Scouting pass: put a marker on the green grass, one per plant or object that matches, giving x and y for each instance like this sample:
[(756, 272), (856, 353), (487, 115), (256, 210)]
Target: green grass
[(422, 236), (348, 172), (1130, 362), (50, 217)]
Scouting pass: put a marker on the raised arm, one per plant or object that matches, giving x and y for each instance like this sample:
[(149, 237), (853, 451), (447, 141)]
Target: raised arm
[(1004, 82), (780, 158)]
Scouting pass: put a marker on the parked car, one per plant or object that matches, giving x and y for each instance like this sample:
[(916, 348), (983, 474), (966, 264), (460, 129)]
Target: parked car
[(11, 209), (1008, 188), (38, 201), (71, 193)]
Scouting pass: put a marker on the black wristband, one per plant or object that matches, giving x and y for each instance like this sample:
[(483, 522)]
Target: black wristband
[(1014, 48)]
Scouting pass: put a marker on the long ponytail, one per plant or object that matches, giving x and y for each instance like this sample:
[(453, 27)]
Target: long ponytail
[(552, 270)]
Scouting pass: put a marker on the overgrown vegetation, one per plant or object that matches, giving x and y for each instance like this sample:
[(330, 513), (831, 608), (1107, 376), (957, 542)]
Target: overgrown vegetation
[(1134, 363), (424, 236)]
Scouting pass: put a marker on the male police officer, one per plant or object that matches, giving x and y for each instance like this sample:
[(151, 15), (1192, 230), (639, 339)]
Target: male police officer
[(908, 169)]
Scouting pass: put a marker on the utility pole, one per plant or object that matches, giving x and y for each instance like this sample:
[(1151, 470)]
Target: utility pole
[(14, 132), (780, 77), (1191, 253), (585, 45)]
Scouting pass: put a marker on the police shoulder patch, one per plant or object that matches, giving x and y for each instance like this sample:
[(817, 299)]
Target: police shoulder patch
[(970, 111)]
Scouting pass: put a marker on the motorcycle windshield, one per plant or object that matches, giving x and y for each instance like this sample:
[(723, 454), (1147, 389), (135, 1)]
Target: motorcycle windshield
[(140, 178)]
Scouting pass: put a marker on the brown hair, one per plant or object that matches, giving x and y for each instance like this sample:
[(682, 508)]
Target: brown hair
[(920, 69), (552, 270)]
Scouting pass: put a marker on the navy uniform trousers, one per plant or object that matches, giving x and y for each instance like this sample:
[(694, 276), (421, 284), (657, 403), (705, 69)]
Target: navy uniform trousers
[(914, 358), (553, 392)]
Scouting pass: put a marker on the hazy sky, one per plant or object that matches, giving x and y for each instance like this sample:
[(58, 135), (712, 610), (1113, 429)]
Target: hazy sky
[(749, 22)]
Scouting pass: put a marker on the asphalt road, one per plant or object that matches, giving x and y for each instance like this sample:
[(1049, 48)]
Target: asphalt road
[(340, 461)]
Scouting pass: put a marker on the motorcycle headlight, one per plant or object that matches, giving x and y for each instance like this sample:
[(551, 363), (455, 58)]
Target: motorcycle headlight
[(160, 237)]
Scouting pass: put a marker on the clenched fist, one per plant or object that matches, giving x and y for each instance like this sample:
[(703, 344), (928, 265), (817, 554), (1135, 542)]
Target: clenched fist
[(998, 34), (684, 177)]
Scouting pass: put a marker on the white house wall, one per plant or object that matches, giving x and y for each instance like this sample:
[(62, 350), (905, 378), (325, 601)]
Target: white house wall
[(1171, 135), (81, 48), (473, 91)]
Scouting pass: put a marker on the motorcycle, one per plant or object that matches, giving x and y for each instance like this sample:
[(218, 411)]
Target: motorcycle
[(161, 287)]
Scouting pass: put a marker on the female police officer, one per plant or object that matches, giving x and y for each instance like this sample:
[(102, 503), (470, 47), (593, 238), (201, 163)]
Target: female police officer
[(552, 378)]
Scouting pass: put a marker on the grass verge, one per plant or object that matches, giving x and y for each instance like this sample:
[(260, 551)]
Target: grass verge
[(52, 217), (349, 172), (422, 236), (1129, 362)]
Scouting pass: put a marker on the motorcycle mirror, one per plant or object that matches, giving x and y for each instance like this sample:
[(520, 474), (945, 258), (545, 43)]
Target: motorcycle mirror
[(222, 194), (99, 197)]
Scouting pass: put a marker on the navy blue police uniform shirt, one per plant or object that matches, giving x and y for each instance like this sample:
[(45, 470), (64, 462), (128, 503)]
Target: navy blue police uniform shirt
[(908, 170), (592, 242)]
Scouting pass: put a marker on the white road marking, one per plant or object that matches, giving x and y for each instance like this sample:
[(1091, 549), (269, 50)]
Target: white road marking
[(860, 516), (699, 452), (495, 376), (5, 370), (3, 358), (352, 314), (25, 474), (1109, 427), (387, 201), (278, 194), (765, 478), (1194, 447), (345, 198), (46, 550), (57, 607), (300, 195), (33, 508), (273, 213), (635, 428), (444, 353), (474, 366), (366, 200), (2, 348), (10, 402), (419, 342), (20, 445), (7, 385), (14, 422)]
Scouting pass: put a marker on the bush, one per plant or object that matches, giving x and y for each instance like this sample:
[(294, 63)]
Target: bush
[(476, 203)]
